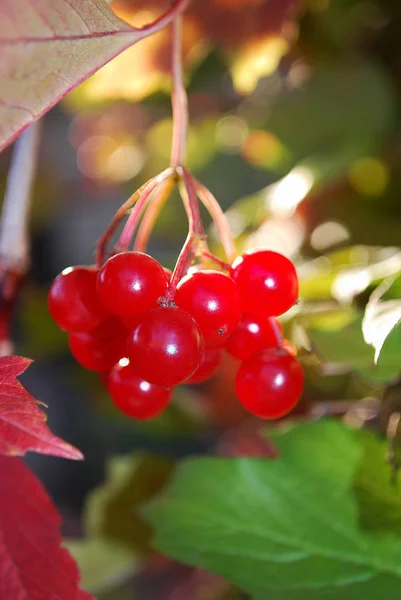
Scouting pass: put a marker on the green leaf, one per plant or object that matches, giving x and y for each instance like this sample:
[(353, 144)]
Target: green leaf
[(292, 528), (66, 42)]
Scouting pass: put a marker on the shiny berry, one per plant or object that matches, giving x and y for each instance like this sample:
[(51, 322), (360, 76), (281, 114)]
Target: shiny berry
[(267, 281), (269, 384), (133, 395), (168, 273), (166, 347), (252, 335), (212, 298), (99, 349), (210, 363), (131, 283), (73, 301)]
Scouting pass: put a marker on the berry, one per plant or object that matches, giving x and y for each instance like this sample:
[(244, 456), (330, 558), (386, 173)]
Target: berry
[(101, 348), (166, 346), (168, 273), (133, 395), (269, 384), (73, 301), (252, 335), (210, 363), (131, 283), (212, 298), (267, 281)]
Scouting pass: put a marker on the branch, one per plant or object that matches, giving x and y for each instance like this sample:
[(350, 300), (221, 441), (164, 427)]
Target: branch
[(14, 246), (14, 253)]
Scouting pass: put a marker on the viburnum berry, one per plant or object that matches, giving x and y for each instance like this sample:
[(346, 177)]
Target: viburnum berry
[(131, 283), (73, 301), (210, 363), (166, 347), (134, 396), (267, 281), (100, 348), (252, 335), (269, 383), (212, 298)]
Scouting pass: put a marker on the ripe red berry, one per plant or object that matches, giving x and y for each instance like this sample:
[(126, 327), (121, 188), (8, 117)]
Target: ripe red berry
[(166, 346), (99, 349), (131, 283), (73, 301), (133, 395), (210, 363), (267, 281), (168, 273), (212, 298), (269, 384), (252, 335)]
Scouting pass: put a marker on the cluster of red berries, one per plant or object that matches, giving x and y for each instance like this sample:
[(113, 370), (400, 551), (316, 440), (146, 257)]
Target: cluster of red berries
[(121, 323)]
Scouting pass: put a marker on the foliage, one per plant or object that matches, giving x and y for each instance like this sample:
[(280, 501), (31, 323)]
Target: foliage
[(312, 524)]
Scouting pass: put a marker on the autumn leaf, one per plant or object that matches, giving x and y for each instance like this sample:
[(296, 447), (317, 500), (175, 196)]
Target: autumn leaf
[(33, 566), (53, 48), (22, 423)]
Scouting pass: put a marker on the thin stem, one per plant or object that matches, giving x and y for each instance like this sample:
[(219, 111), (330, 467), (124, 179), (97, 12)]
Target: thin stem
[(183, 262), (215, 259), (122, 211), (14, 251), (179, 98), (127, 233), (161, 195), (191, 203), (219, 218), (166, 18), (277, 332)]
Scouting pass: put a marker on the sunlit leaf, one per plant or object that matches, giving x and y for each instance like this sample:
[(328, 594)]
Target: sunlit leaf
[(48, 52), (299, 527)]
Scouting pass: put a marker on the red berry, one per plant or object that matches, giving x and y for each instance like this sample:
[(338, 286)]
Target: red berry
[(131, 283), (267, 281), (168, 273), (212, 298), (252, 335), (73, 301), (133, 395), (269, 384), (210, 363), (101, 348), (166, 346)]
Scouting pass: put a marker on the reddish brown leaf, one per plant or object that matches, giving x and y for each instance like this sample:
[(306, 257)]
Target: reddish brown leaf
[(48, 48), (22, 423), (32, 564)]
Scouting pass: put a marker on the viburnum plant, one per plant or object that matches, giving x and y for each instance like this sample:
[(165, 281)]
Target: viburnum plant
[(147, 330)]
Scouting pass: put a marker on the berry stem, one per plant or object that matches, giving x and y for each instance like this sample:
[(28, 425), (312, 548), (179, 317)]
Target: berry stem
[(178, 7), (219, 219), (277, 332), (191, 204), (145, 190), (14, 247), (184, 261), (161, 195), (179, 98), (216, 260)]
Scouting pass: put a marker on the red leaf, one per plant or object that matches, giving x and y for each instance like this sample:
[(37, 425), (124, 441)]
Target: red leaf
[(22, 423), (32, 564), (48, 47)]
